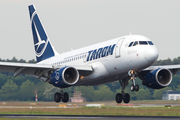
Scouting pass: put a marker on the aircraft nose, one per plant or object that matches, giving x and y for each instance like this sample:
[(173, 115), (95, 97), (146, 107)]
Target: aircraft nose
[(151, 54)]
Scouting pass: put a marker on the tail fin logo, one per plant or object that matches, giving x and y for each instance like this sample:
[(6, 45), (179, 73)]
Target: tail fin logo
[(40, 38), (42, 45)]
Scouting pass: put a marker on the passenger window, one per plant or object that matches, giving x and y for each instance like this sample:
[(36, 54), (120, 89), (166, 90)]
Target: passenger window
[(135, 43), (150, 43), (143, 42), (130, 44)]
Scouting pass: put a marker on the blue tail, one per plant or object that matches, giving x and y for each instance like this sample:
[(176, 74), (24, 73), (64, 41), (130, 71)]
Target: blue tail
[(42, 44)]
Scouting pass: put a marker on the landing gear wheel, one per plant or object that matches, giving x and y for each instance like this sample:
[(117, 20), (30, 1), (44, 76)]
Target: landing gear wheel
[(132, 87), (57, 97), (65, 98), (118, 97), (123, 96), (126, 98), (136, 87)]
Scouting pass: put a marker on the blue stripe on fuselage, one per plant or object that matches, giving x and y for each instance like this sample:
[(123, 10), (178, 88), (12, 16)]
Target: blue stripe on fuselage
[(101, 52)]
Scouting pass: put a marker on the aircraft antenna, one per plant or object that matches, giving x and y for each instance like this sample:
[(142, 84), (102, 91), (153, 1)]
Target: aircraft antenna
[(130, 33)]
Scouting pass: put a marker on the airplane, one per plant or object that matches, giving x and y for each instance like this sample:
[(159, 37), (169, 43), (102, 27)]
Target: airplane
[(121, 59)]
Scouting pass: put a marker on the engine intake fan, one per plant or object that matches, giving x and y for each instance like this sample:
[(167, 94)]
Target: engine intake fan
[(64, 77), (157, 79)]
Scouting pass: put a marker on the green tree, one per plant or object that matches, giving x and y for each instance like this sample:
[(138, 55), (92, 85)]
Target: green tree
[(25, 92), (26, 84), (176, 61), (175, 81), (177, 88), (113, 86), (32, 61), (143, 94), (158, 93), (8, 87), (2, 79), (49, 92), (22, 61), (103, 93)]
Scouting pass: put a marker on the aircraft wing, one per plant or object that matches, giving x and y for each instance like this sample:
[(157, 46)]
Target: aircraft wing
[(173, 68), (37, 70), (24, 68)]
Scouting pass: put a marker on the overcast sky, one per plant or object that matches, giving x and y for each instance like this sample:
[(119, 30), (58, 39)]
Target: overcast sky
[(79, 23)]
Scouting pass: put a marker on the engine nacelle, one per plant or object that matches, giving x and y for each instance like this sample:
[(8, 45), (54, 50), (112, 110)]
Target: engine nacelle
[(156, 79), (64, 77)]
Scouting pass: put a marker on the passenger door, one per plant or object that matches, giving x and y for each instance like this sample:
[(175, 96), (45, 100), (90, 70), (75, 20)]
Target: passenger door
[(118, 48)]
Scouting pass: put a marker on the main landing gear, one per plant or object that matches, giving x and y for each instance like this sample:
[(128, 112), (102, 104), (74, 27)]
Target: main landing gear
[(125, 96), (64, 96)]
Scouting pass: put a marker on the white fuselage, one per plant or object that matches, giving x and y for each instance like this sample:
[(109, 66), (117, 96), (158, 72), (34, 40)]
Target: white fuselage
[(109, 67)]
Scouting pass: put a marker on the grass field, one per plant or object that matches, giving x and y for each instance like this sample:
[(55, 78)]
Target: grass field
[(109, 108), (155, 111)]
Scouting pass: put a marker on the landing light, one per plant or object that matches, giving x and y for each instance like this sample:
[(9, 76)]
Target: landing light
[(81, 77)]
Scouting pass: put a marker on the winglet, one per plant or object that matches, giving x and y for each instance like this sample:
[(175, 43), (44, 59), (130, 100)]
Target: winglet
[(42, 44)]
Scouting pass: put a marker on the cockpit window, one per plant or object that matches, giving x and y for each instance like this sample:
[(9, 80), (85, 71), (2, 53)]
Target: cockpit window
[(135, 43), (150, 43), (140, 43), (143, 42), (130, 44)]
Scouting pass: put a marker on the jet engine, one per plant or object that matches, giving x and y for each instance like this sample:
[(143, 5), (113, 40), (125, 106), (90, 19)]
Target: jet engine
[(64, 77), (156, 79)]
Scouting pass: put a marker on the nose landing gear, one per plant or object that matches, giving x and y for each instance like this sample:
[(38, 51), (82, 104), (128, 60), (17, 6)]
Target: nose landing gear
[(134, 86)]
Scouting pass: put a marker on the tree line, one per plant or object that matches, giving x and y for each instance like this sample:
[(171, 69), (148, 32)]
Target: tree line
[(24, 87)]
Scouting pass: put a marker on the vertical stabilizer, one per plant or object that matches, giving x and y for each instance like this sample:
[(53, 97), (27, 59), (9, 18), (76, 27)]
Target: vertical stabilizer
[(42, 44)]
